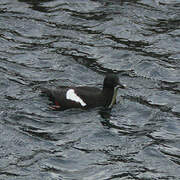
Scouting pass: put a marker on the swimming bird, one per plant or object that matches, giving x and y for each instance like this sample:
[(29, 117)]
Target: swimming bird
[(65, 97)]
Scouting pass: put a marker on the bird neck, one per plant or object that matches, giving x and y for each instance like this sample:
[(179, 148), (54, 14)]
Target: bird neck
[(110, 96)]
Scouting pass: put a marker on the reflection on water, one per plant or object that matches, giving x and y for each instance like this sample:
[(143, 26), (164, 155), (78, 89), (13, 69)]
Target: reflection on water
[(48, 43)]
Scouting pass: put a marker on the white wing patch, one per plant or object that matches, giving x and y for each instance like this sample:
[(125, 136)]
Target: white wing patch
[(71, 95)]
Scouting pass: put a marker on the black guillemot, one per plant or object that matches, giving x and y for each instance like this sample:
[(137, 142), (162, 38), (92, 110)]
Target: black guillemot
[(84, 97)]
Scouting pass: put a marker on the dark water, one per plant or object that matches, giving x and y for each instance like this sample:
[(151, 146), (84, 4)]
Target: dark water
[(75, 43)]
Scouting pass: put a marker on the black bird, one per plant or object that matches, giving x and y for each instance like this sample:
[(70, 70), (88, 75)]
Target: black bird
[(65, 97)]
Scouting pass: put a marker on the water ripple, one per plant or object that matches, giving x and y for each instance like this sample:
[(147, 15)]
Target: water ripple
[(49, 43)]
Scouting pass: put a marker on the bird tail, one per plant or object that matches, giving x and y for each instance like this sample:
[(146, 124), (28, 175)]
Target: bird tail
[(46, 91)]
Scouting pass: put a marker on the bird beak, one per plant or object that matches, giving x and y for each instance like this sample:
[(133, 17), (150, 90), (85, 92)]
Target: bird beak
[(121, 86)]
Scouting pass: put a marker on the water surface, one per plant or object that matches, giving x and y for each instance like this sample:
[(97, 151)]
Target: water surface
[(48, 43)]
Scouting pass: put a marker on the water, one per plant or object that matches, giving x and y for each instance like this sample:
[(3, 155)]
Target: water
[(48, 43)]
